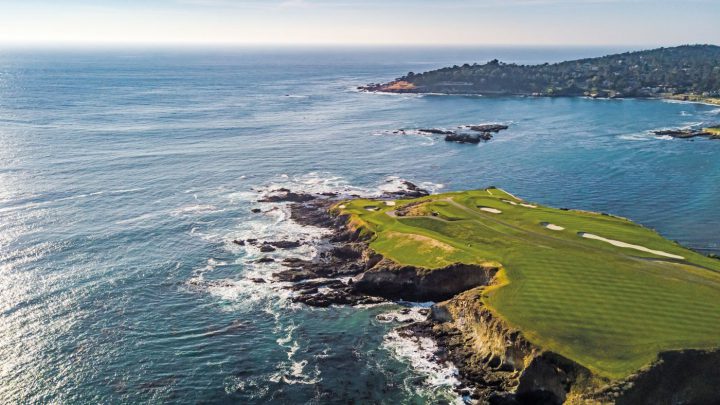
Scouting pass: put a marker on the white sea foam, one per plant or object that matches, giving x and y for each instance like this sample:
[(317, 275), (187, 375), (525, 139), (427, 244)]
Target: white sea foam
[(195, 209), (635, 137), (293, 371), (646, 136), (421, 353)]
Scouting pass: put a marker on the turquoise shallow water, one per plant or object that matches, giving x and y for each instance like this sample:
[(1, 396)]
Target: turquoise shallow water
[(124, 176)]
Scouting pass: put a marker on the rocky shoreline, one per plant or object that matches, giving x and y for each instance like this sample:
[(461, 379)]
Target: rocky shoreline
[(496, 363)]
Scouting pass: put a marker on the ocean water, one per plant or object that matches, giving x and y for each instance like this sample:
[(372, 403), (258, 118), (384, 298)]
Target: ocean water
[(126, 174)]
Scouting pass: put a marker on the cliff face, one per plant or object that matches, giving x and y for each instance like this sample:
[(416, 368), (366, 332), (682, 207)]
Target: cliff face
[(390, 280), (678, 377), (497, 358), (510, 370)]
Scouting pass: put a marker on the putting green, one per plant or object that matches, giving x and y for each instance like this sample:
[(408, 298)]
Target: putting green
[(611, 302)]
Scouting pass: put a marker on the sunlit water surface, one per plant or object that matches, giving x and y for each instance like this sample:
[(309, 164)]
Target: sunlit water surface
[(125, 175)]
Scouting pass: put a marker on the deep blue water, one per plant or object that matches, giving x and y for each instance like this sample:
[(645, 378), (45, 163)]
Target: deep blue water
[(124, 175)]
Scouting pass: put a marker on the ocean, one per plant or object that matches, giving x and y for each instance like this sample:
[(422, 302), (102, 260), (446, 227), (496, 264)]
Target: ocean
[(125, 175)]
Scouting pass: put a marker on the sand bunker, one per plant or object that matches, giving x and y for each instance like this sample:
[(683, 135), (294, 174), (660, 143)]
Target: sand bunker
[(629, 246), (371, 208), (510, 202), (528, 205), (390, 203), (342, 207), (491, 210), (552, 227)]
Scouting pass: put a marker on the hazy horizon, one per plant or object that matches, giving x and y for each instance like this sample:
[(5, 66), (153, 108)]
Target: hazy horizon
[(188, 23)]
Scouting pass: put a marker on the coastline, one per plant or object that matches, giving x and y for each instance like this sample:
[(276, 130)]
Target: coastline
[(685, 98), (495, 361)]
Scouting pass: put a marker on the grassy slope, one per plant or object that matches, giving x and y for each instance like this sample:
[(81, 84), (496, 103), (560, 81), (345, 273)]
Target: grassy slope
[(609, 308)]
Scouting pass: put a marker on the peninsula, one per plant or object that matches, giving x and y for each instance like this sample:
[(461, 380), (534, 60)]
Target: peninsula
[(690, 72), (534, 304)]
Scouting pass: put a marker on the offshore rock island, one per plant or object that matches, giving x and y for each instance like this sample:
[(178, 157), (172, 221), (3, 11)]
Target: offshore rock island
[(534, 305), (689, 73), (464, 134)]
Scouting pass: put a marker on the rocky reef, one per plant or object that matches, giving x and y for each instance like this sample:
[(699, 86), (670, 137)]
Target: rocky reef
[(686, 133), (471, 134)]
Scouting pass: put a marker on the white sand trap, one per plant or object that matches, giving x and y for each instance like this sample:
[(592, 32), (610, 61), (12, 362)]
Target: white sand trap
[(510, 202), (491, 210), (528, 205), (629, 246), (390, 203), (552, 227), (342, 207), (371, 209)]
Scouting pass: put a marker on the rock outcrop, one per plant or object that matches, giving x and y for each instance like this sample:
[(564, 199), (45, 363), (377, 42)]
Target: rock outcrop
[(436, 131), (390, 280), (488, 127), (495, 359), (686, 133), (469, 138)]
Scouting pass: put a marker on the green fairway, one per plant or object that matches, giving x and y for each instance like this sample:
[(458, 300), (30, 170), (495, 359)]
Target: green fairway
[(610, 300)]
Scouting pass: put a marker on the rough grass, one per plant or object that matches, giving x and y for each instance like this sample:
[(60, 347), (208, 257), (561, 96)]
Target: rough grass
[(609, 308)]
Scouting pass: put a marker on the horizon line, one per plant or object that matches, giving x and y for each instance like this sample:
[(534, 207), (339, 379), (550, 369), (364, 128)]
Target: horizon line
[(219, 44)]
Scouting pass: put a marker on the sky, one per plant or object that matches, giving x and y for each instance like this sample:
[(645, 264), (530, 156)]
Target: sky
[(360, 22)]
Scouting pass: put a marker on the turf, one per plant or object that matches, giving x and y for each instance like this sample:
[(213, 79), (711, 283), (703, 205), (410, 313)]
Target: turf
[(611, 309)]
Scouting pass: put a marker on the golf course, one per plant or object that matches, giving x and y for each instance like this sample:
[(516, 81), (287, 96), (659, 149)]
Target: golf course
[(595, 288)]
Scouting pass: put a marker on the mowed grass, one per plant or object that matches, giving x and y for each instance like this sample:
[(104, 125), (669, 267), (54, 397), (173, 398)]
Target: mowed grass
[(611, 309)]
